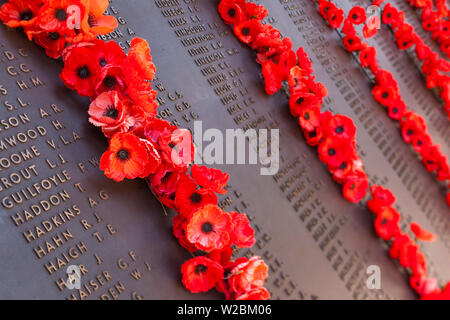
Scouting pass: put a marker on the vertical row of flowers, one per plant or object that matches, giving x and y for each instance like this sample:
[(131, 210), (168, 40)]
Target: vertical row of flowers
[(386, 92), (123, 105), (333, 135)]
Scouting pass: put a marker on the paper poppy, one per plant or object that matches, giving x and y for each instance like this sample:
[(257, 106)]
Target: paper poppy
[(300, 100), (111, 78), (368, 31), (400, 241), (53, 43), (80, 72), (95, 22), (254, 11), (209, 228), (357, 15), (210, 178), (341, 127), (335, 18), (53, 16), (177, 147), (368, 58), (20, 13), (189, 198), (242, 234), (385, 95), (273, 77), (231, 11), (309, 118), (164, 184), (334, 151), (421, 233), (248, 30), (259, 293), (386, 223), (352, 43), (355, 188), (108, 53), (126, 157), (248, 275), (381, 198), (201, 274), (179, 231)]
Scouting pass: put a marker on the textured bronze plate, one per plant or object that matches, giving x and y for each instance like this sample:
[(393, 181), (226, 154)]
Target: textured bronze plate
[(317, 245)]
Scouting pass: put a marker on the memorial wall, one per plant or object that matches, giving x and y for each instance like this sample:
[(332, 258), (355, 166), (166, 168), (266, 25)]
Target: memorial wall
[(58, 209)]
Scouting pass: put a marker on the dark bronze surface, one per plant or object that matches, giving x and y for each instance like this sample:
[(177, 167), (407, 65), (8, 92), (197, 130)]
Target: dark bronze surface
[(316, 244)]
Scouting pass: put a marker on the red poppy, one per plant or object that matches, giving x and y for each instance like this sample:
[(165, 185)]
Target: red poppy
[(248, 275), (53, 15), (248, 30), (222, 256), (108, 53), (111, 78), (422, 285), (390, 14), (421, 233), (80, 72), (340, 127), (381, 198), (95, 22), (201, 274), (254, 11), (53, 43), (189, 198), (285, 61), (368, 57), (309, 118), (209, 228), (210, 178), (404, 39), (400, 241), (325, 8), (355, 188), (352, 43), (127, 157), (108, 112), (232, 11), (349, 29), (179, 231), (304, 62), (242, 234), (313, 138), (296, 80), (164, 184), (20, 13), (430, 158), (273, 77), (398, 110), (421, 142), (357, 15), (345, 169), (157, 128), (300, 101), (385, 95), (369, 32), (259, 293), (334, 151), (386, 223), (177, 147), (335, 18), (139, 60), (412, 126)]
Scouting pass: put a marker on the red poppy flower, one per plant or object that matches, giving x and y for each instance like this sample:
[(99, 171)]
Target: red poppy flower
[(412, 126), (300, 101), (335, 18), (95, 22), (386, 223), (259, 293), (296, 80), (345, 169), (304, 62), (127, 157), (285, 61), (209, 228), (210, 178), (20, 13), (111, 78), (222, 256), (201, 274), (248, 275), (189, 198), (405, 39), (334, 152), (136, 118), (422, 285), (368, 57), (80, 72), (179, 231), (398, 110), (349, 29), (325, 8), (390, 14), (430, 158), (357, 15), (139, 60), (108, 53), (385, 95), (164, 184), (352, 43), (242, 234), (53, 43), (421, 233), (355, 188), (232, 11), (369, 32), (177, 147), (157, 128), (400, 241), (313, 138), (309, 118), (340, 127), (53, 15), (273, 77), (108, 112), (254, 11), (381, 198), (421, 142), (248, 30)]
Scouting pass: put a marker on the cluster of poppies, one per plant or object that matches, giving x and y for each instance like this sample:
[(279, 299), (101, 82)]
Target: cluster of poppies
[(402, 246), (434, 16), (387, 93), (124, 107), (433, 68), (273, 53), (53, 24)]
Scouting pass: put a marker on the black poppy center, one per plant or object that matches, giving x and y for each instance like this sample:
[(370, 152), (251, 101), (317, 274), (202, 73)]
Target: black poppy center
[(419, 143), (171, 145), (355, 16), (350, 41), (331, 152), (232, 12), (306, 116), (339, 130), (112, 113), (109, 82), (61, 14), (207, 227), (200, 269), (343, 166), (196, 197), (103, 62), (26, 15), (384, 221), (123, 154), (300, 100), (385, 95), (54, 36), (245, 31), (83, 72), (312, 134), (409, 132), (394, 110)]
